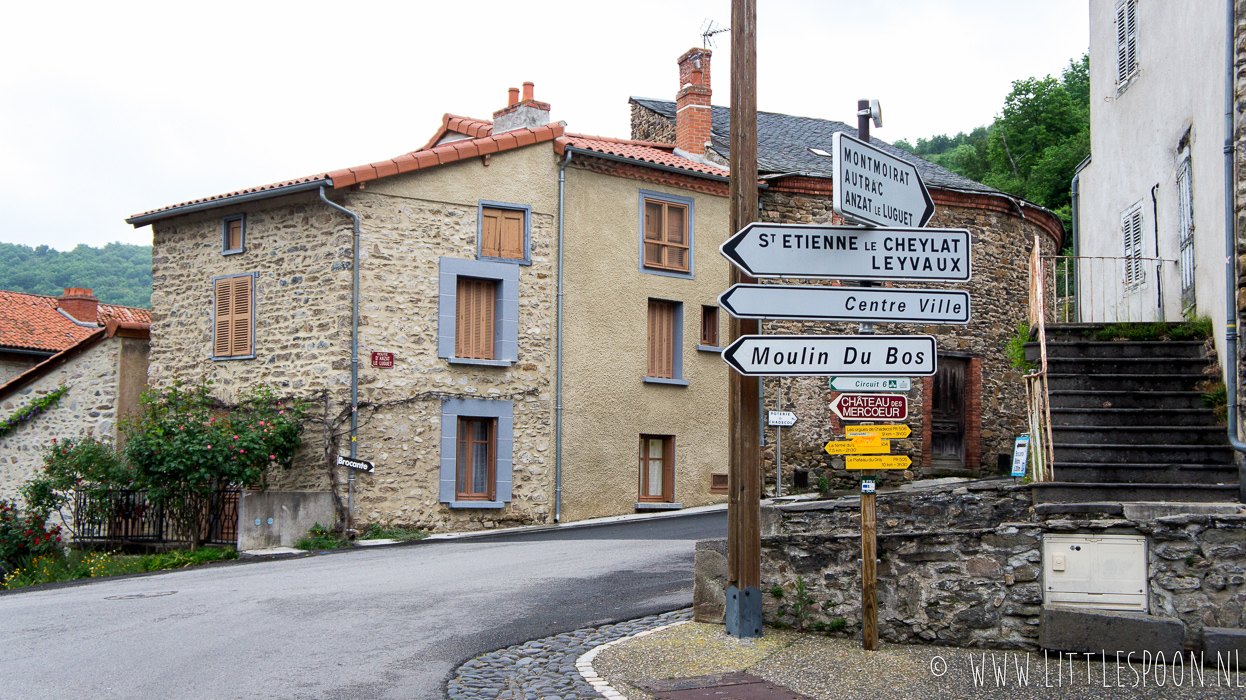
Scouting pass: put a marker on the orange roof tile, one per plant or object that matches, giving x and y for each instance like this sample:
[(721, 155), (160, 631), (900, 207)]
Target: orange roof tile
[(644, 151), (472, 128), (32, 322), (249, 190)]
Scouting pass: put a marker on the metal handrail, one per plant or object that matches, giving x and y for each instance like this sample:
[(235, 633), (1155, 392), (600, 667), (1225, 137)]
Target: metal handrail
[(1036, 388)]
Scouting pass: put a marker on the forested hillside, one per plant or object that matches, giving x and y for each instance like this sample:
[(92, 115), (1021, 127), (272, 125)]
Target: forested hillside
[(1033, 146), (118, 273)]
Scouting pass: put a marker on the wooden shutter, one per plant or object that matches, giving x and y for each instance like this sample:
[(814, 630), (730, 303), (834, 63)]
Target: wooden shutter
[(677, 237), (474, 318), (224, 318), (661, 339), (709, 326), (653, 233), (666, 235), (490, 232), (233, 237), (512, 234), (501, 233), (232, 334), (1131, 231), (1126, 40)]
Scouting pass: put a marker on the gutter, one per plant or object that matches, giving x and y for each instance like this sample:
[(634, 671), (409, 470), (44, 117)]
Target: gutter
[(354, 356), (562, 185), (1230, 248), (152, 217)]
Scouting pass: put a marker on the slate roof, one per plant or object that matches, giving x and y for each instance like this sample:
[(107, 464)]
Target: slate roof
[(32, 322), (783, 143)]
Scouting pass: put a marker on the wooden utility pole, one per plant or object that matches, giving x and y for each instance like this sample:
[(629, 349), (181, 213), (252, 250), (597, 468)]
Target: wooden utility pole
[(869, 531), (744, 417)]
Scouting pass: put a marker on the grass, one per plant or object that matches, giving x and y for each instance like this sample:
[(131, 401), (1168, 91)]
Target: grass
[(1216, 397), (72, 565), (376, 531), (1198, 329), (319, 538), (1015, 349)]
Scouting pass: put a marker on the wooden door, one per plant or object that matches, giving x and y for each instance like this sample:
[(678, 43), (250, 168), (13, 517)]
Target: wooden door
[(947, 415)]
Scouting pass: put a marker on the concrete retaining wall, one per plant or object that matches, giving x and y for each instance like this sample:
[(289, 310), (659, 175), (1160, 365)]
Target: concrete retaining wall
[(281, 518)]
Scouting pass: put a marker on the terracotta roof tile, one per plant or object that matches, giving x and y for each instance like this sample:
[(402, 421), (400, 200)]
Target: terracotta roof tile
[(32, 322), (473, 128), (658, 154), (249, 190)]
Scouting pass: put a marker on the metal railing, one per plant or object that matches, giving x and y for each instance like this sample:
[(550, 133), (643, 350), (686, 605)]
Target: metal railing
[(128, 517), (1100, 289), (1038, 406)]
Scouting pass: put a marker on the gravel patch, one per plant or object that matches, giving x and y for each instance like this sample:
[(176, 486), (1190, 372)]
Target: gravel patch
[(545, 669), (838, 669)]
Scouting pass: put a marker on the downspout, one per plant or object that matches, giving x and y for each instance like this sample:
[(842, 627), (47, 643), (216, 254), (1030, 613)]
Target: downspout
[(562, 186), (1159, 281), (1230, 249), (1074, 193), (354, 357)]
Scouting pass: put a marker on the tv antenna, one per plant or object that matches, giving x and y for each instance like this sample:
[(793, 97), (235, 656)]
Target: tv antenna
[(708, 29)]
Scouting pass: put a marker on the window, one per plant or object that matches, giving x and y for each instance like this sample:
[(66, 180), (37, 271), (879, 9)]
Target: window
[(666, 234), (709, 326), (1126, 43), (503, 232), (1185, 234), (233, 230), (475, 311), (1131, 231), (657, 468), (478, 312), (233, 314), (665, 341), (477, 459), (476, 453)]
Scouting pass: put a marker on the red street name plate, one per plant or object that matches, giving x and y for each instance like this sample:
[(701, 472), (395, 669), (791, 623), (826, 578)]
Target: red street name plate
[(871, 406), (384, 360)]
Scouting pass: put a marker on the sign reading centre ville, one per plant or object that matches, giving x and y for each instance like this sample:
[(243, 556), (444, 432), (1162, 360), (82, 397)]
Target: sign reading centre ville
[(871, 406), (839, 355), (850, 252), (875, 188), (861, 304)]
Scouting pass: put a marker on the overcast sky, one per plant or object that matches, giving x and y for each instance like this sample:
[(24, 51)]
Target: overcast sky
[(110, 109)]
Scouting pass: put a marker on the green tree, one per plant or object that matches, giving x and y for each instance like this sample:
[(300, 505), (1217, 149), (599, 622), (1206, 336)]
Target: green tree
[(117, 273)]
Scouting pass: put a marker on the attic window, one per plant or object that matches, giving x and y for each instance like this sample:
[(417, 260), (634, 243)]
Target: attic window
[(233, 234)]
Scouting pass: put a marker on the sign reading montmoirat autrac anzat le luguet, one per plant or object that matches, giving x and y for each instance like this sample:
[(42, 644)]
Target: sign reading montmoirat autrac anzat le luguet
[(875, 188)]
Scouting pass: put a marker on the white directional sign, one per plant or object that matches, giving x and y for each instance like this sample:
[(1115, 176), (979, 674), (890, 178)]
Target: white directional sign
[(785, 419), (871, 406), (861, 304), (839, 355), (850, 252), (870, 384), (873, 187)]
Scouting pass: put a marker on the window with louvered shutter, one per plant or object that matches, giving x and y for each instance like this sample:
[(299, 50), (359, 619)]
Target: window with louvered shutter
[(666, 235), (475, 311), (661, 339), (502, 233), (1126, 41), (1131, 232), (234, 306), (709, 326)]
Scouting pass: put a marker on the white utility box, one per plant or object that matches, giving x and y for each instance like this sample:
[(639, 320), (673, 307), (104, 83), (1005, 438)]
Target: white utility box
[(1106, 572)]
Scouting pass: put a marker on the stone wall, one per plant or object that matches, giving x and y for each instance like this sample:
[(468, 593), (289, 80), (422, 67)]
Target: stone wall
[(648, 125), (88, 408), (962, 566)]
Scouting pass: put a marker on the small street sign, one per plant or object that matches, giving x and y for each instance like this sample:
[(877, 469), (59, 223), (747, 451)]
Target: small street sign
[(1020, 454), (360, 464), (868, 485), (384, 360), (856, 304), (838, 355), (894, 432), (873, 187), (878, 462), (871, 406), (870, 384), (785, 419), (850, 252), (853, 447)]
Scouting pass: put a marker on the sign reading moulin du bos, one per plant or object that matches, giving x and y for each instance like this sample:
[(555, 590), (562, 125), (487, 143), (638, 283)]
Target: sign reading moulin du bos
[(871, 406), (873, 187), (806, 355), (850, 252), (384, 360)]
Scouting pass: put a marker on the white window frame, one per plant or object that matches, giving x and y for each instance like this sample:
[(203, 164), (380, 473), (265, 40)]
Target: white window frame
[(1185, 232)]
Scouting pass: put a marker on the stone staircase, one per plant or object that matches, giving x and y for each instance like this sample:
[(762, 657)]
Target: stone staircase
[(1128, 422)]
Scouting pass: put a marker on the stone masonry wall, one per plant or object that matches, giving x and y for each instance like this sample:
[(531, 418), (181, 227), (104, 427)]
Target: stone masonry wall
[(648, 125), (962, 566), (88, 408)]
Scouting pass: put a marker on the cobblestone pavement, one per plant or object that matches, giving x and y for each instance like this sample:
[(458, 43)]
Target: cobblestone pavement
[(545, 669)]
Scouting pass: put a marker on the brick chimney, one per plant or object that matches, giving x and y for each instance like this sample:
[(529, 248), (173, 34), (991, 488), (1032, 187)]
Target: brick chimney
[(520, 114), (80, 304), (692, 102)]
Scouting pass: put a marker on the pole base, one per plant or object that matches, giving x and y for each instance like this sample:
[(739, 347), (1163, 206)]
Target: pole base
[(743, 616)]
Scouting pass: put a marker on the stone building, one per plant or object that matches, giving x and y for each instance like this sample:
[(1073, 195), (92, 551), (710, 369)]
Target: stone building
[(503, 379), (965, 418), (97, 352)]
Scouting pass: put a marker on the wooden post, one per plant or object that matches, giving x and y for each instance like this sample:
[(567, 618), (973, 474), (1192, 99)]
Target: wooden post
[(869, 571), (744, 413)]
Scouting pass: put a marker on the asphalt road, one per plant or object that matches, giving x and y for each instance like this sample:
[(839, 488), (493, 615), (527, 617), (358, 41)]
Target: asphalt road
[(378, 623)]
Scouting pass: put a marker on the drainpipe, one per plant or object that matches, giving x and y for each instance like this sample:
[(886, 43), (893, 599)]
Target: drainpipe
[(1159, 281), (1230, 248), (562, 186), (354, 356), (1074, 195)]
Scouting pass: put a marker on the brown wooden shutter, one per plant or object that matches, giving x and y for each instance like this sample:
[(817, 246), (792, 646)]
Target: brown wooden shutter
[(491, 232), (666, 235), (512, 234), (240, 337), (224, 318), (235, 235), (709, 326), (474, 318), (661, 339), (668, 468), (653, 233), (677, 237)]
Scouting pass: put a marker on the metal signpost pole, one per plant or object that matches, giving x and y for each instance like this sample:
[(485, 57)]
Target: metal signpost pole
[(778, 448), (869, 535)]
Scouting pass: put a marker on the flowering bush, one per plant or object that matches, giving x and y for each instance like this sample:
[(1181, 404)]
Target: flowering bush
[(85, 464), (23, 537), (31, 410), (184, 445)]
